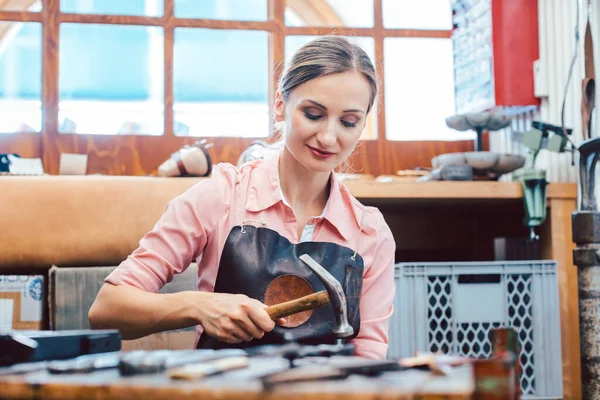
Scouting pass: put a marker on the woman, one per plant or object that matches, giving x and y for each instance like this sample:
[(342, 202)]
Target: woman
[(246, 228)]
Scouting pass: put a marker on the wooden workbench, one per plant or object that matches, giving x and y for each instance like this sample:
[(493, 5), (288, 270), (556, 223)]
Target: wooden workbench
[(431, 221), (241, 384)]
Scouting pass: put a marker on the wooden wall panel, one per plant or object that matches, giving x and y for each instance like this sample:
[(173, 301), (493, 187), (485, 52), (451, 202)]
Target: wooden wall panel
[(27, 145), (132, 155), (141, 155)]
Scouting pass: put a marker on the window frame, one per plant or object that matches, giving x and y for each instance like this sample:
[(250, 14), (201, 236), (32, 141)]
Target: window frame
[(51, 17)]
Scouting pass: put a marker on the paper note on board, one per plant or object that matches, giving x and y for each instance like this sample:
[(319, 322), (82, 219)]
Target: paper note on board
[(73, 164), (6, 314), (25, 166)]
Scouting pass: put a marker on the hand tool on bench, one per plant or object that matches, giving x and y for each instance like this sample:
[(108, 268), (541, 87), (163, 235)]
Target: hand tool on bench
[(140, 361), (30, 346), (151, 362), (292, 351), (342, 369), (85, 364), (209, 368)]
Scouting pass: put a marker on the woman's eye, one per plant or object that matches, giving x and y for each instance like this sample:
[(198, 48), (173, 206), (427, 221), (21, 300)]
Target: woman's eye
[(349, 124), (314, 117)]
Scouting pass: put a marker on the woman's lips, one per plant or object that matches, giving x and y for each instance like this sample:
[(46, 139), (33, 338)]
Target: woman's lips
[(321, 154)]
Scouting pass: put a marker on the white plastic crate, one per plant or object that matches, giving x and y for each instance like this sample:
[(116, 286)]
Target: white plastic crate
[(450, 308)]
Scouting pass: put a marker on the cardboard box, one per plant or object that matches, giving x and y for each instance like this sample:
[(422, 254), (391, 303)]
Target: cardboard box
[(73, 290), (21, 305)]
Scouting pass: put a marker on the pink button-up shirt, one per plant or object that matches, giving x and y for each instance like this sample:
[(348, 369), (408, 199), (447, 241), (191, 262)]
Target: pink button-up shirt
[(196, 224)]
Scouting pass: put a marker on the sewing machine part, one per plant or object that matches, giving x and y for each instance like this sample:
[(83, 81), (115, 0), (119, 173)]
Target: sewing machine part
[(533, 181), (589, 154), (478, 122)]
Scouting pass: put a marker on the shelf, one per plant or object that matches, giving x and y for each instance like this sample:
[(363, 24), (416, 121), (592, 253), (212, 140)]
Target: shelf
[(364, 189), (360, 188)]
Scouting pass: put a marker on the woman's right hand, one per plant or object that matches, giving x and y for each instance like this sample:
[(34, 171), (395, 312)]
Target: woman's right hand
[(232, 318)]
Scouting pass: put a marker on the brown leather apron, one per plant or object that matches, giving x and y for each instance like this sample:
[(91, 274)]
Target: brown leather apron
[(264, 265)]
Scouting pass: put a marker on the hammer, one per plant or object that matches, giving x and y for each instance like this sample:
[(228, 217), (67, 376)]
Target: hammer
[(334, 295)]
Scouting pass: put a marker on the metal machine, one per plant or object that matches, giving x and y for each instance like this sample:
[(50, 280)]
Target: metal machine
[(542, 136)]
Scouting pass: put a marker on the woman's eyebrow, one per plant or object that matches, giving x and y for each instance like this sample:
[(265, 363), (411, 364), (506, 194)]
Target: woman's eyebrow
[(354, 110), (325, 108), (318, 104)]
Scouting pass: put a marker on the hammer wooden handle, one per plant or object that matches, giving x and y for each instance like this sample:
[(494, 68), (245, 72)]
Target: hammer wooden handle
[(291, 307)]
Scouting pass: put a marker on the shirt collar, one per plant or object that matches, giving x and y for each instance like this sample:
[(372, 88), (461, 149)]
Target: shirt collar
[(265, 191), (344, 214)]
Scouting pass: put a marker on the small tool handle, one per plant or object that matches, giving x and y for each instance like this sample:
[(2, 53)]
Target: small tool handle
[(201, 370), (291, 307)]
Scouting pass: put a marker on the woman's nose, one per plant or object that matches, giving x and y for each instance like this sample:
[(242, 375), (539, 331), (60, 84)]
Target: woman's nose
[(328, 135)]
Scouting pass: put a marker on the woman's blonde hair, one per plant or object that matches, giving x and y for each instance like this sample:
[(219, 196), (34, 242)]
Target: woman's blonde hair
[(323, 56)]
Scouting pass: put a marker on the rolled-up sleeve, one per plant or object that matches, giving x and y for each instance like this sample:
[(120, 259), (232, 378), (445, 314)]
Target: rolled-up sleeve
[(179, 236), (377, 298)]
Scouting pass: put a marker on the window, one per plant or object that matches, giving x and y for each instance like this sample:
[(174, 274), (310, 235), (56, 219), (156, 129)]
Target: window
[(221, 83), (108, 85), (334, 13), (422, 14), (244, 10), (21, 5), (20, 77), (124, 68), (150, 8), (419, 89)]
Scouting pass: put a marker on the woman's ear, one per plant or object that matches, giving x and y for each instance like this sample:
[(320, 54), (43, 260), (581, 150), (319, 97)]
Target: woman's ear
[(279, 107)]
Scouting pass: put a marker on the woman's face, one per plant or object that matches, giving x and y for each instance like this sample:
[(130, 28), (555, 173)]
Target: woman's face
[(324, 119)]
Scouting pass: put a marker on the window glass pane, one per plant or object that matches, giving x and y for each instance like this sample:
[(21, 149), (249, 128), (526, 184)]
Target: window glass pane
[(220, 83), (348, 13), (419, 89), (242, 10), (20, 77), (422, 14), (111, 79), (293, 43), (150, 8), (21, 5)]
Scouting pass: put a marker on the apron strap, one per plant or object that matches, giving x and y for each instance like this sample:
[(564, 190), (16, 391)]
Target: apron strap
[(362, 218), (238, 206)]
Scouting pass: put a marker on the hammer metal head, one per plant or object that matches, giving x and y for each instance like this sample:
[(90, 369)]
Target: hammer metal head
[(336, 297)]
